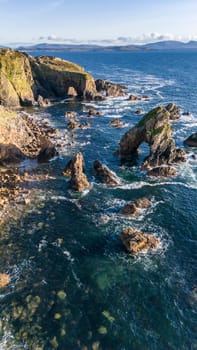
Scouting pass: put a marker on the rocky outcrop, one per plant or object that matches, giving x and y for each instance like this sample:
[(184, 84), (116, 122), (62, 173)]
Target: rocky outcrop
[(23, 78), (173, 110), (191, 141), (43, 102), (163, 171), (104, 174), (132, 208), (21, 137), (106, 88), (4, 279), (154, 128), (75, 168), (136, 241)]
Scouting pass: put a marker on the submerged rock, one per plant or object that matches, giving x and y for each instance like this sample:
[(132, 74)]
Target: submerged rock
[(191, 141), (4, 279), (108, 88), (132, 208), (104, 174), (154, 128), (136, 241), (75, 169)]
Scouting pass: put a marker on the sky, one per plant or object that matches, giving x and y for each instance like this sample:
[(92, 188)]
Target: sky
[(99, 22)]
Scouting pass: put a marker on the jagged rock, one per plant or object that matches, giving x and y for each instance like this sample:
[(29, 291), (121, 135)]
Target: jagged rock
[(116, 123), (48, 150), (4, 279), (134, 98), (132, 208), (154, 128), (191, 141), (73, 124), (23, 78), (104, 174), (70, 114), (107, 88), (136, 241), (43, 102), (173, 110), (21, 137), (75, 169), (163, 171)]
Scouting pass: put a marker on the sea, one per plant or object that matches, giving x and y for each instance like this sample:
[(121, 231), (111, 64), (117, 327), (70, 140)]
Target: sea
[(73, 285)]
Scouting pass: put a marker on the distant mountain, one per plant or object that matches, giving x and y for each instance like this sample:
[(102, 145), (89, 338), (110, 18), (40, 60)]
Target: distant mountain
[(161, 45), (171, 45)]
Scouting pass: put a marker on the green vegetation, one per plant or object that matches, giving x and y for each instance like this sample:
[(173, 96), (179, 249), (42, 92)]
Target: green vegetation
[(149, 116)]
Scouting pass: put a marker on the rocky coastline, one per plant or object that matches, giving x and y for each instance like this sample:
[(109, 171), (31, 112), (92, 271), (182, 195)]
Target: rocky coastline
[(29, 81)]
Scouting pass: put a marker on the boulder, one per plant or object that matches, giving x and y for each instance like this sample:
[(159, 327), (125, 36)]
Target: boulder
[(191, 141), (139, 111), (173, 110), (110, 89), (43, 102), (154, 128), (134, 98), (10, 153), (136, 241), (47, 151), (75, 169), (116, 123), (132, 208), (162, 171), (104, 174), (73, 124), (4, 279), (70, 114)]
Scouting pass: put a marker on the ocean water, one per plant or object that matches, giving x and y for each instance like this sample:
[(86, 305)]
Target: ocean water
[(73, 286)]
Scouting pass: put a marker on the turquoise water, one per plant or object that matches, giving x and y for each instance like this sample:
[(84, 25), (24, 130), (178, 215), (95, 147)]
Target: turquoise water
[(72, 284)]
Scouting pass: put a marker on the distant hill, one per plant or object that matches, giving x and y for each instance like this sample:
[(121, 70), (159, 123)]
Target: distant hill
[(161, 45)]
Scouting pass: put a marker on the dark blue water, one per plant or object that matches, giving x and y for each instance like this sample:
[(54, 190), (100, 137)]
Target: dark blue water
[(73, 285)]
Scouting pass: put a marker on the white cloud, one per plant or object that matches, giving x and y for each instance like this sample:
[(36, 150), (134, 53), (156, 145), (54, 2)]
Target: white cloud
[(141, 39)]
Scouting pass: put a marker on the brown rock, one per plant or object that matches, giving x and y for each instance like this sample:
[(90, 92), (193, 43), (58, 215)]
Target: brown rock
[(154, 128), (131, 208), (163, 171), (136, 241), (75, 169), (43, 102), (4, 280), (134, 98), (108, 88), (104, 174), (70, 114), (73, 124), (143, 203), (173, 110)]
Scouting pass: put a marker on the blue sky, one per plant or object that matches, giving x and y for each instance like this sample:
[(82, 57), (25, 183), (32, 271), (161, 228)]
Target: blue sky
[(116, 21)]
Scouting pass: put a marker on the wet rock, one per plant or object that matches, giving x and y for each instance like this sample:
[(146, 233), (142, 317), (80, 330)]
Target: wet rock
[(70, 114), (162, 171), (99, 114), (73, 124), (108, 88), (191, 141), (173, 110), (4, 279), (75, 169), (10, 153), (48, 150), (116, 123), (91, 112), (43, 102), (132, 208), (136, 241), (134, 98), (104, 174), (186, 113), (139, 111), (154, 128)]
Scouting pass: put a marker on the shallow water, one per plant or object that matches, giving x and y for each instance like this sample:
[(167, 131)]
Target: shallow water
[(72, 284)]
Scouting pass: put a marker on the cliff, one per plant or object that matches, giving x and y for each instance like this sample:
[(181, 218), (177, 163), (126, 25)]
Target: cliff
[(23, 78), (21, 137)]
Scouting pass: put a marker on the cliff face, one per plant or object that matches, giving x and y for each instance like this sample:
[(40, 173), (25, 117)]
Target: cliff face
[(23, 78), (21, 137)]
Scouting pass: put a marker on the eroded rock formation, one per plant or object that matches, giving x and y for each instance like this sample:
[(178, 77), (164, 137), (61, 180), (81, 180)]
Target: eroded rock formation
[(154, 128), (23, 78), (132, 208), (136, 241), (104, 174), (173, 110), (75, 168), (107, 88)]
